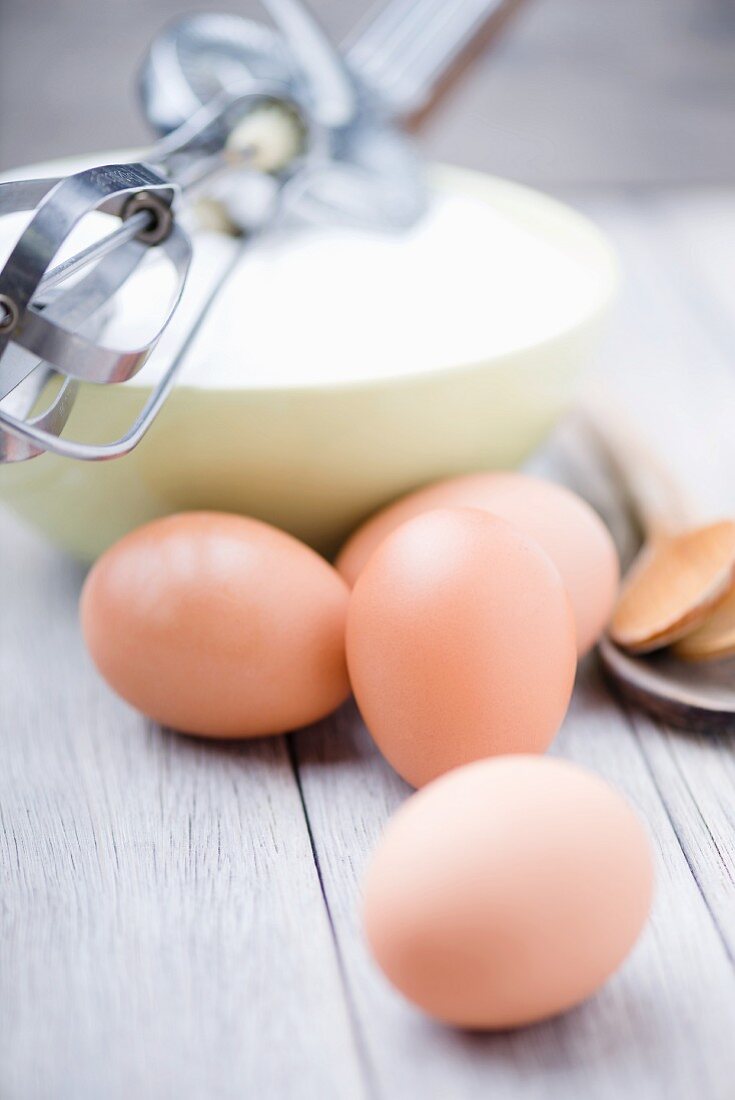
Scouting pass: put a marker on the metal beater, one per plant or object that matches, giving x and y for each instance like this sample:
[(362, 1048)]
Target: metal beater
[(232, 101)]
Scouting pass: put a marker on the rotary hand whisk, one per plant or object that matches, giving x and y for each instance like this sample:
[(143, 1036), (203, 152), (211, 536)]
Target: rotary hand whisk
[(232, 101)]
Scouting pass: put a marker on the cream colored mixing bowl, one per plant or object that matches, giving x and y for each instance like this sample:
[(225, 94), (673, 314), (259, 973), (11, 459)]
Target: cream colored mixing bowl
[(316, 459)]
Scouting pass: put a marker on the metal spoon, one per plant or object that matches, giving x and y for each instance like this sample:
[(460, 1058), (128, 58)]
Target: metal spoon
[(683, 695), (693, 697)]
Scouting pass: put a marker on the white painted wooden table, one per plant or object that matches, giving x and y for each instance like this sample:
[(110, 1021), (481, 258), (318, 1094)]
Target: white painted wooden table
[(180, 919)]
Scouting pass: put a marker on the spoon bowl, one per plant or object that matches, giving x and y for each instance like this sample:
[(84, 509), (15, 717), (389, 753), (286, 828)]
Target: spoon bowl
[(700, 698)]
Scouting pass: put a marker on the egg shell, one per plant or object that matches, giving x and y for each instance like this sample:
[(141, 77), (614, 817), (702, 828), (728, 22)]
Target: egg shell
[(218, 625), (507, 891), (460, 643), (570, 532)]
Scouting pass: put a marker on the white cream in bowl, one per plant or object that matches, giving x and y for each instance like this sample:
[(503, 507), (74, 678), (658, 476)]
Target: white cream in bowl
[(316, 306)]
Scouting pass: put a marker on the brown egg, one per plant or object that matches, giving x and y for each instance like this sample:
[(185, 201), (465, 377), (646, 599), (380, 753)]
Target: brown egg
[(507, 891), (460, 643), (570, 532), (218, 625)]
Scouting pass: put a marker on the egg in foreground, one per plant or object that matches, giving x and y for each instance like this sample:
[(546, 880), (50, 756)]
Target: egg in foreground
[(563, 524), (460, 643), (507, 891), (218, 625)]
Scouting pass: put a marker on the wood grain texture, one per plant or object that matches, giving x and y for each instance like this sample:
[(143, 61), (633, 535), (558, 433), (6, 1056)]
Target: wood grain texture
[(162, 926), (624, 1038), (691, 259), (671, 357), (182, 920)]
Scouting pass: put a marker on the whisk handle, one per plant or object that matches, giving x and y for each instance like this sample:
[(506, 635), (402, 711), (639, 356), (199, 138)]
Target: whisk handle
[(414, 50)]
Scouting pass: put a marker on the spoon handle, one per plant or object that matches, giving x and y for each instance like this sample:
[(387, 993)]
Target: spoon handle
[(661, 503)]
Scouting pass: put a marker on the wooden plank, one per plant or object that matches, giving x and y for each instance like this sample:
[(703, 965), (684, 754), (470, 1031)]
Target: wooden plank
[(693, 773), (162, 928), (694, 229), (695, 233), (673, 357), (664, 359)]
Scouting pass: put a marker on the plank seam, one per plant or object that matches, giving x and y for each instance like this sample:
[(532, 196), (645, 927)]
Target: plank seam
[(705, 824), (352, 1014), (659, 731)]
